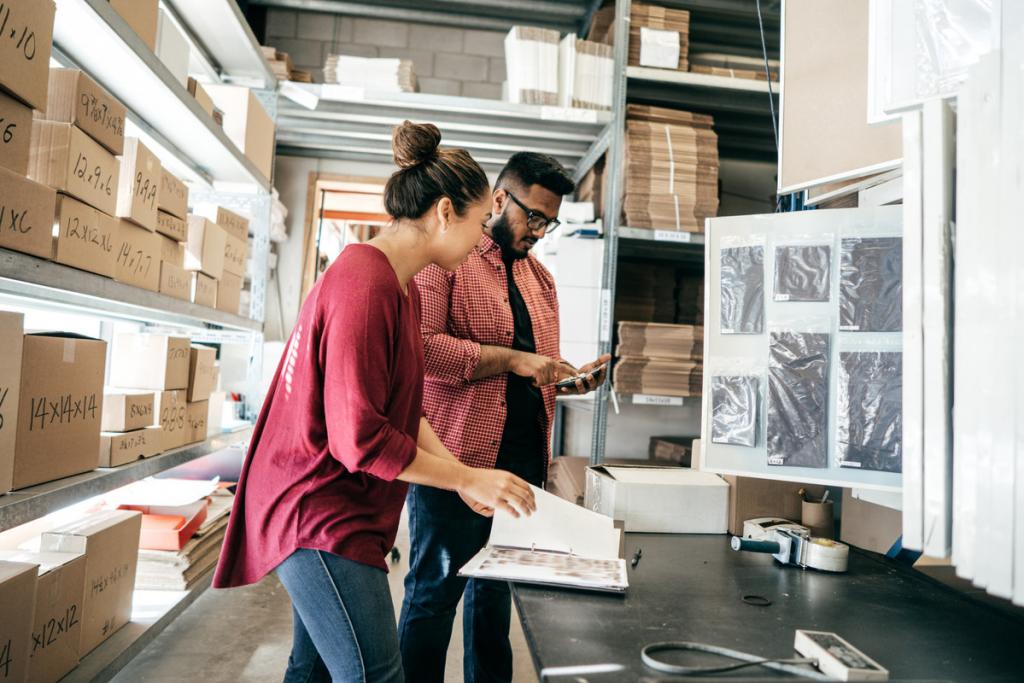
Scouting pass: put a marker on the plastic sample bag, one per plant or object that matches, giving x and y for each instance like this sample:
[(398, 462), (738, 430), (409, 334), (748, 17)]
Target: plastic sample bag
[(870, 419), (742, 289), (871, 284), (734, 409), (802, 272), (797, 421)]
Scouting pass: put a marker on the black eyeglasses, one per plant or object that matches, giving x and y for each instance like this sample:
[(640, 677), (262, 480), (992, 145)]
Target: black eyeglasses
[(535, 220)]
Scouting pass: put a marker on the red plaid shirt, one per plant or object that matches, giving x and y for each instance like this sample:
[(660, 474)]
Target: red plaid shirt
[(461, 311)]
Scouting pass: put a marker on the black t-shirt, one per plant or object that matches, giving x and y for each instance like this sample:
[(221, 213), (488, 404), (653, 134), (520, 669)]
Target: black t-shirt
[(522, 441)]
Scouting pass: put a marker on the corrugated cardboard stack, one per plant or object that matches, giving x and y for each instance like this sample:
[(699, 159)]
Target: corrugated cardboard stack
[(218, 253), (129, 427), (733, 66), (585, 71), (389, 75), (531, 57), (659, 359), (281, 64), (658, 36), (646, 292), (671, 171)]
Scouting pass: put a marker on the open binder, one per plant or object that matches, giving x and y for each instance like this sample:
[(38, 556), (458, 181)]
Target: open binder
[(561, 544)]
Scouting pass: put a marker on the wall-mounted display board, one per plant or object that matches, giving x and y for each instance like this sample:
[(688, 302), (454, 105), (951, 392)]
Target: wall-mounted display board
[(824, 131), (803, 347)]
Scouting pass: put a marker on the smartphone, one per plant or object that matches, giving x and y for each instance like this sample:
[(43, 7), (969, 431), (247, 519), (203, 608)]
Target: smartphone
[(570, 382)]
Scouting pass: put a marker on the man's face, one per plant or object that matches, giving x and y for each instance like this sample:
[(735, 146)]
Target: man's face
[(509, 229)]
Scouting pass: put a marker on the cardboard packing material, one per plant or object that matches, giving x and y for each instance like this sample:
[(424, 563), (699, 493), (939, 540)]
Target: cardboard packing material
[(141, 15), (24, 62), (68, 160), (126, 411), (76, 98), (172, 252), (233, 224), (205, 247), (26, 215), (85, 237), (137, 261), (229, 293), (202, 98), (139, 185), (12, 335), (61, 407), (204, 290), (247, 124), (172, 412), (175, 281), (660, 499), (57, 617), (869, 526), (149, 361), (202, 373), (198, 414), (236, 253), (173, 196), (751, 498), (18, 596), (121, 448), (172, 49), (567, 477), (173, 227), (110, 542), (15, 134)]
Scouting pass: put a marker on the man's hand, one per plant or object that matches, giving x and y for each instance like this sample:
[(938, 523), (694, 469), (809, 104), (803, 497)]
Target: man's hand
[(591, 380), (541, 369), (477, 507)]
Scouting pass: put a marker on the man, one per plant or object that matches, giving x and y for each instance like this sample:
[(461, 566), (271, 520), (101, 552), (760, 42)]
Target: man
[(490, 334)]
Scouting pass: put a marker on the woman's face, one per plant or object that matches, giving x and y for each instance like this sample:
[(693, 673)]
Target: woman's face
[(462, 233)]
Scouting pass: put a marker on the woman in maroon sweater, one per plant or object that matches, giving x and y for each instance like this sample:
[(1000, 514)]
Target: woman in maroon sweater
[(342, 431)]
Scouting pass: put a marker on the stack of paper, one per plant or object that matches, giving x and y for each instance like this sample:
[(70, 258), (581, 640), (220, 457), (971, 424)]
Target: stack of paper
[(585, 74), (388, 75), (658, 36), (683, 342), (671, 173), (531, 56), (560, 544), (733, 66)]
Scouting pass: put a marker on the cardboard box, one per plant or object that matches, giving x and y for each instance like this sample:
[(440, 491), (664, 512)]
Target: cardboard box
[(247, 124), (85, 237), (139, 185), (23, 62), (172, 227), (149, 361), (236, 252), (15, 134), (57, 617), (869, 526), (202, 373), (229, 293), (175, 281), (126, 411), (204, 290), (76, 98), (172, 411), (26, 215), (205, 247), (12, 335), (567, 477), (141, 15), (172, 49), (172, 252), (674, 500), (18, 596), (68, 160), (137, 261), (233, 224), (201, 96), (173, 197), (61, 407), (121, 448), (751, 498), (170, 527), (198, 414), (110, 542)]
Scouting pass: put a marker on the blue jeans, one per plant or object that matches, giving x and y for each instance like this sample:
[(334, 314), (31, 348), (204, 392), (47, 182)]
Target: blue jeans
[(343, 620), (445, 535)]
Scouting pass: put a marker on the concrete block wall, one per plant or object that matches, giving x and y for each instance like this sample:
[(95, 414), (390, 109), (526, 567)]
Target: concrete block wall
[(448, 61)]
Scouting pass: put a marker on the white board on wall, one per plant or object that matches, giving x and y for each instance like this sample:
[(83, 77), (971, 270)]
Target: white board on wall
[(825, 136)]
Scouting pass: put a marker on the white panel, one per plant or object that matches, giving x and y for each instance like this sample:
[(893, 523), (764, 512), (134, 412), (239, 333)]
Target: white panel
[(1013, 71), (578, 313)]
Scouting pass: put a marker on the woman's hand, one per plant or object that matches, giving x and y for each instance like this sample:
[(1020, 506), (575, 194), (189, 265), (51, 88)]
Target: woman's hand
[(496, 489)]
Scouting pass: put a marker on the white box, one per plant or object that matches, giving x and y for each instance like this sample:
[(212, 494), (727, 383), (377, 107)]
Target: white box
[(675, 500), (579, 262), (172, 49), (578, 311)]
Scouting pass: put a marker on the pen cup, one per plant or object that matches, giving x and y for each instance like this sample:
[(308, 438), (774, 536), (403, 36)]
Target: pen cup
[(819, 518)]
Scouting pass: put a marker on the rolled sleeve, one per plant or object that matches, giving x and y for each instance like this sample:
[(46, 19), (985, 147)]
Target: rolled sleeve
[(447, 358)]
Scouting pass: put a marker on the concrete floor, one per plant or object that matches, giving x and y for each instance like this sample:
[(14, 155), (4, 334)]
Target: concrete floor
[(244, 636)]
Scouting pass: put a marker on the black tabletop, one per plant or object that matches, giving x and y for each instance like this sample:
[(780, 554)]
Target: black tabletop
[(691, 588)]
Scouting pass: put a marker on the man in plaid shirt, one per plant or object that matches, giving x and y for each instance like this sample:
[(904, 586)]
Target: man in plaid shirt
[(490, 333)]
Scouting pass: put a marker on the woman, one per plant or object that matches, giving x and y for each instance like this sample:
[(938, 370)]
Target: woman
[(342, 432)]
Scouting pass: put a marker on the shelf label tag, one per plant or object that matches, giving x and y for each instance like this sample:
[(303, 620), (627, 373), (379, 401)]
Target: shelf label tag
[(652, 400), (606, 316), (671, 236), (550, 113)]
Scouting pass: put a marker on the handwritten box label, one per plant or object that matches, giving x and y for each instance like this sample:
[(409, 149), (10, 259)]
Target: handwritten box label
[(173, 195), (76, 98), (128, 411), (68, 160), (175, 281), (15, 134), (236, 252), (139, 186), (204, 290), (137, 259), (26, 41), (85, 237), (172, 411), (26, 215)]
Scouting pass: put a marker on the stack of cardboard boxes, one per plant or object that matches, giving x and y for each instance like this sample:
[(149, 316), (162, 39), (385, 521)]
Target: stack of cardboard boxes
[(171, 217), (218, 249)]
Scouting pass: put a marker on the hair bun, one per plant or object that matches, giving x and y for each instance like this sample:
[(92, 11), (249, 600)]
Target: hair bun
[(414, 143)]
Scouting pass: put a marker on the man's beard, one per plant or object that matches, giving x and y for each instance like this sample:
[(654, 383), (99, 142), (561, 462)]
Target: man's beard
[(501, 233)]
